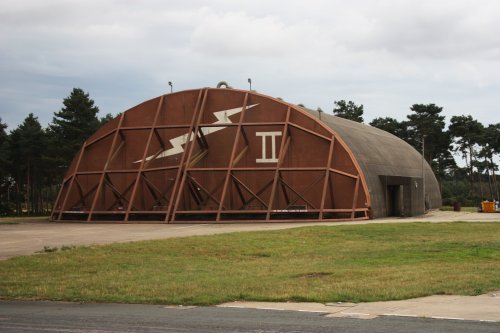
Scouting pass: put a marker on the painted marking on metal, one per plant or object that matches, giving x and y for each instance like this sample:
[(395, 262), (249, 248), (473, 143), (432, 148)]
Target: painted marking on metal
[(399, 315), (178, 142), (265, 135), (247, 307), (180, 307), (190, 226), (355, 314), (448, 318), (313, 311)]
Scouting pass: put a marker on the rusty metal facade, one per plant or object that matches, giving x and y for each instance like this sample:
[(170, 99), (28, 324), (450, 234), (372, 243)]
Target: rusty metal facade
[(213, 155)]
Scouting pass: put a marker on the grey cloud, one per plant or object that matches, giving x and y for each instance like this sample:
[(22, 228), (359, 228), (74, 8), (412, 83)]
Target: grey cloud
[(386, 55)]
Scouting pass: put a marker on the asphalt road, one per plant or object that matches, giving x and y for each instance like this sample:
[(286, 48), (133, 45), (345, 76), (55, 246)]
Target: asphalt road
[(17, 316), (30, 236)]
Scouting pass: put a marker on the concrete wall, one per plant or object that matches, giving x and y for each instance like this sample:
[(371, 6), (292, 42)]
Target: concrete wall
[(380, 153)]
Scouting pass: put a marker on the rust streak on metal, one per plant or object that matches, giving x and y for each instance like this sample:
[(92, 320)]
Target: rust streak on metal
[(310, 132), (101, 178), (171, 202), (231, 158), (281, 156), (326, 179), (306, 190), (194, 129), (254, 195), (296, 193), (94, 141), (355, 198), (143, 160)]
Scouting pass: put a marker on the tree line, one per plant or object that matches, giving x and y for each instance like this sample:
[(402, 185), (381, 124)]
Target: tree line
[(33, 159), (425, 129)]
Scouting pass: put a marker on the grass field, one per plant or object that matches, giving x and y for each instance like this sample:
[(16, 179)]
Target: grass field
[(463, 209), (321, 264)]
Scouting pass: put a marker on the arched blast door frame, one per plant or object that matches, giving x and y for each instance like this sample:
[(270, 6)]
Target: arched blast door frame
[(213, 155)]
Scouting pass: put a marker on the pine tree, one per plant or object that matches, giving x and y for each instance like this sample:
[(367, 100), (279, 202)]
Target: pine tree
[(391, 125), (72, 125), (468, 133), (27, 145), (427, 121), (348, 110)]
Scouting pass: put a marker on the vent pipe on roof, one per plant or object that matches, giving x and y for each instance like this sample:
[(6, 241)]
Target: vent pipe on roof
[(319, 112), (225, 84)]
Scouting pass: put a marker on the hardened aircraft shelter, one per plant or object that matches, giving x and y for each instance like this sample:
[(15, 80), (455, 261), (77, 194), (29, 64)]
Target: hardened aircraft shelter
[(218, 155)]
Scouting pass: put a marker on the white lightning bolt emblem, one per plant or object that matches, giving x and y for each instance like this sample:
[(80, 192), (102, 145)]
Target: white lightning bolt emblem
[(178, 142)]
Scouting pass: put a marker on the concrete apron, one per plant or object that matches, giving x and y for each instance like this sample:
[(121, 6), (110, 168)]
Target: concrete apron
[(478, 308)]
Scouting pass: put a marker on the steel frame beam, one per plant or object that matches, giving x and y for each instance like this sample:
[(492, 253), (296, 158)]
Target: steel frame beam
[(106, 165), (185, 187), (195, 124), (143, 159), (232, 158)]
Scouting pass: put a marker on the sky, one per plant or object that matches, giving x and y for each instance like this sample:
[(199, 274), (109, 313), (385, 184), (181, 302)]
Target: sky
[(386, 55)]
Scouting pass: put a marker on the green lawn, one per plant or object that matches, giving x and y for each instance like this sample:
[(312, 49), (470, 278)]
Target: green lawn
[(463, 209), (321, 264)]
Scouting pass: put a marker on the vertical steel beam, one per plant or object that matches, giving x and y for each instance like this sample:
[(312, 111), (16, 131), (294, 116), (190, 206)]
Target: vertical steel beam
[(327, 178), (283, 187), (355, 198), (193, 131), (231, 159), (58, 198), (144, 155), (105, 168), (80, 192), (281, 156), (72, 180), (173, 197)]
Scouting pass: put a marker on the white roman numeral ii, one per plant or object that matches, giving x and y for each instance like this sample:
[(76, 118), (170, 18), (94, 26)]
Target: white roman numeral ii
[(264, 136)]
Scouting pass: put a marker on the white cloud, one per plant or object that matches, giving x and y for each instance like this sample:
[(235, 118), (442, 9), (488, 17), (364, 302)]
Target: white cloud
[(386, 54), (236, 34)]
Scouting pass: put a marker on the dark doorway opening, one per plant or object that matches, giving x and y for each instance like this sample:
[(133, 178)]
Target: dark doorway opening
[(403, 195), (393, 200)]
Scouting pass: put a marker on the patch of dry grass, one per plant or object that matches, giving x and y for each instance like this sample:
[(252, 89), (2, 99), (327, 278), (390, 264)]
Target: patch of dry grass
[(17, 219), (322, 264)]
